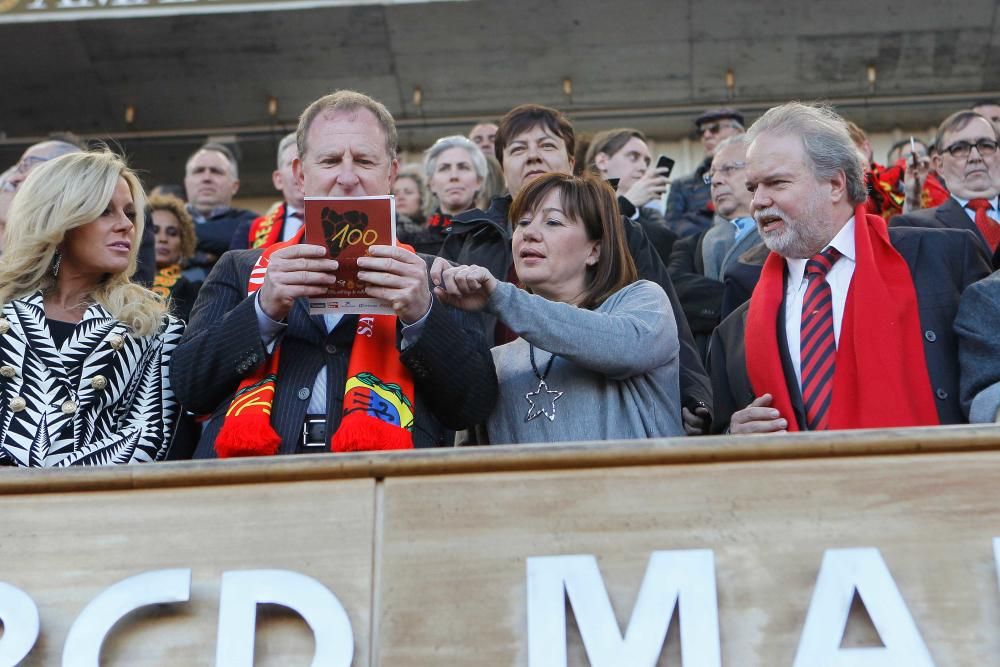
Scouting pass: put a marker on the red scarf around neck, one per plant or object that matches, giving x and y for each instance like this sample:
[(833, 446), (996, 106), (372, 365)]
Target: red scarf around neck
[(378, 398), (265, 231), (881, 378)]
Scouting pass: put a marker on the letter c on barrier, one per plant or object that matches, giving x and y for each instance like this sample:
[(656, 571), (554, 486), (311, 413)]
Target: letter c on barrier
[(19, 616), (83, 645), (242, 591)]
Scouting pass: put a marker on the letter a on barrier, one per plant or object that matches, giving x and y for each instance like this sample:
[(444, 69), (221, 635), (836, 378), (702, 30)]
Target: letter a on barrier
[(19, 618), (242, 591), (843, 572), (682, 580)]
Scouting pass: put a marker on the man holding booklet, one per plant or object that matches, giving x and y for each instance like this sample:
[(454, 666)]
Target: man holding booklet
[(277, 378)]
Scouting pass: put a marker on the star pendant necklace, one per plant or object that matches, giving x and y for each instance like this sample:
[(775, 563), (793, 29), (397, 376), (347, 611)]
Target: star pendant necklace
[(542, 400)]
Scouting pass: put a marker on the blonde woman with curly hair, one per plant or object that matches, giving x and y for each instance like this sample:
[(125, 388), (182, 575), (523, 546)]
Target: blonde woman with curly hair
[(84, 353), (175, 242)]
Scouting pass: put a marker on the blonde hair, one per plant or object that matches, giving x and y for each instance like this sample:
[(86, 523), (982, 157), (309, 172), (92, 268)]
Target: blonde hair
[(64, 193)]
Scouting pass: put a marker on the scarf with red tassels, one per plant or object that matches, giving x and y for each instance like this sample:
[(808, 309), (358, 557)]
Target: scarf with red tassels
[(378, 398), (881, 377)]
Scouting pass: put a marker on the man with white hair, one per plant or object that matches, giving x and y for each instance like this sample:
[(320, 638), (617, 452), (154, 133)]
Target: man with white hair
[(850, 325)]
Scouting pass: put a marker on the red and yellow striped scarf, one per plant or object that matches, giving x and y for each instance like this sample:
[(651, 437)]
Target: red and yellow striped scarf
[(378, 399)]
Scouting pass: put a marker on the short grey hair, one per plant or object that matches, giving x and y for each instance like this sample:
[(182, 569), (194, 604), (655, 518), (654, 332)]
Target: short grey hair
[(222, 150), (286, 141), (826, 140), (347, 101), (432, 154), (734, 140)]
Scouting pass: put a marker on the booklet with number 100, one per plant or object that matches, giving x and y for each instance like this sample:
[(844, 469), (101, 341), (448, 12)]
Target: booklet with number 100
[(347, 227)]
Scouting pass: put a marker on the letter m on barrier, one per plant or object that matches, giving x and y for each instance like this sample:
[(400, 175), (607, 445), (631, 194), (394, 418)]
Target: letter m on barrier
[(681, 580)]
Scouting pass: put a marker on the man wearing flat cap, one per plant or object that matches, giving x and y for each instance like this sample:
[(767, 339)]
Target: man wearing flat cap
[(689, 204)]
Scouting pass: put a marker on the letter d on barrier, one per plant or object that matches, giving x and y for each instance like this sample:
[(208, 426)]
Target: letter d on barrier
[(242, 591)]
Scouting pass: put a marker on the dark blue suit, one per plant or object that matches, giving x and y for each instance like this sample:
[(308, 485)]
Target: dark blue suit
[(949, 215), (943, 262)]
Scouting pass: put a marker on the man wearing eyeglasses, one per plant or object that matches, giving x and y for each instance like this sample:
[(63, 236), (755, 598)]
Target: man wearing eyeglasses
[(13, 177), (968, 163), (698, 264), (689, 204)]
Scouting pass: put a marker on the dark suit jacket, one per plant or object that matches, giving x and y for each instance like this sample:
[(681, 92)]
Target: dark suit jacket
[(978, 330), (949, 215), (943, 262), (450, 363)]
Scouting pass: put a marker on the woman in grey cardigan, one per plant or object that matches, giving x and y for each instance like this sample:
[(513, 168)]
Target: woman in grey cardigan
[(597, 353)]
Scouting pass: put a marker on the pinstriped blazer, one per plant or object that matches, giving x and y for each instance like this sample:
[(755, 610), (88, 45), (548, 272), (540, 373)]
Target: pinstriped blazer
[(450, 362), (103, 397)]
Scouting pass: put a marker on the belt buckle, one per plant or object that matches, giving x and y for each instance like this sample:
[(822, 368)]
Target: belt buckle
[(311, 427)]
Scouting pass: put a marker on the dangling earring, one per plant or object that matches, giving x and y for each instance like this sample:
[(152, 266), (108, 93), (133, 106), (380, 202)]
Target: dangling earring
[(55, 264)]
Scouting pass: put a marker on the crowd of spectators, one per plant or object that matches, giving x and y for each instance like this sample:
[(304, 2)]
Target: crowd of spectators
[(790, 283)]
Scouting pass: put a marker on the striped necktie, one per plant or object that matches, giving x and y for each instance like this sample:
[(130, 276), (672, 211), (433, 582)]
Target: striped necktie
[(818, 351), (989, 228)]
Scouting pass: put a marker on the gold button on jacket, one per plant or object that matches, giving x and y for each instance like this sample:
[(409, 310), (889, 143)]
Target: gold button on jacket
[(17, 404), (99, 382), (68, 407), (8, 371)]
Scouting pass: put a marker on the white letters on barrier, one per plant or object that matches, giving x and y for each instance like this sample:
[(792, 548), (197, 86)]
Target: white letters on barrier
[(322, 611), (682, 580), (19, 617), (843, 572), (996, 555), (83, 645)]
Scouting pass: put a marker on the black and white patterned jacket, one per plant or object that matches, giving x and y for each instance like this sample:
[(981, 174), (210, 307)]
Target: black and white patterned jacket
[(103, 398)]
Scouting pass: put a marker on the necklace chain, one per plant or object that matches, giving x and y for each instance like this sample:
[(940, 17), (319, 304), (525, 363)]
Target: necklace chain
[(534, 367)]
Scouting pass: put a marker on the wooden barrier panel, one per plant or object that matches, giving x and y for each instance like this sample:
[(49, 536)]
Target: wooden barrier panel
[(63, 549), (428, 551)]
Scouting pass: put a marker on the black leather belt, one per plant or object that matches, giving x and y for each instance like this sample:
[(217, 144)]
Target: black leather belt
[(314, 433)]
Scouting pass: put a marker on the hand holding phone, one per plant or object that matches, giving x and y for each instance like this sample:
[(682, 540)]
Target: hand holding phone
[(664, 162)]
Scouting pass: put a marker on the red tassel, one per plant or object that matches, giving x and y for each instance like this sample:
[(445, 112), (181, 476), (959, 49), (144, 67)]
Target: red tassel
[(249, 434), (360, 432)]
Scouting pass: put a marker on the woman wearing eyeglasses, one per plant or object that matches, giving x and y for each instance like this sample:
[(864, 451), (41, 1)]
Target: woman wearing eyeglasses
[(969, 164)]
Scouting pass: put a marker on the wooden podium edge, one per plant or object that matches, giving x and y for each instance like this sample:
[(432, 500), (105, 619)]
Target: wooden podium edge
[(507, 458)]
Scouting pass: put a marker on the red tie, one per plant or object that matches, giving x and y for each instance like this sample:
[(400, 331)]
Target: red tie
[(988, 227), (818, 345)]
